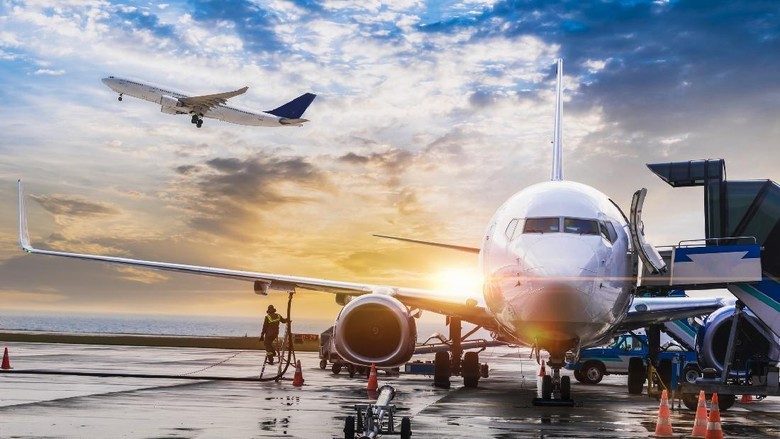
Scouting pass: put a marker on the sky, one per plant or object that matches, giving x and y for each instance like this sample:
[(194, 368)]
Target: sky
[(429, 116)]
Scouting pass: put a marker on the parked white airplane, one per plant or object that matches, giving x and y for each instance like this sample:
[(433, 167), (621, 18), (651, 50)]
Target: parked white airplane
[(559, 263), (213, 106)]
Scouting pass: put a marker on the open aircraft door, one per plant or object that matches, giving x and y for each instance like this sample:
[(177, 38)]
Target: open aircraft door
[(647, 253)]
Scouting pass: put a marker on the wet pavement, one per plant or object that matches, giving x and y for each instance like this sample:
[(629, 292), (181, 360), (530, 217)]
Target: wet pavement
[(36, 405)]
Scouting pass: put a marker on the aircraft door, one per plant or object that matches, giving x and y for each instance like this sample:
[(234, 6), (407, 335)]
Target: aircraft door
[(647, 253)]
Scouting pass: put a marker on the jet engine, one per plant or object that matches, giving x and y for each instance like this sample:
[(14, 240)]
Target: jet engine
[(377, 329), (755, 345), (169, 105)]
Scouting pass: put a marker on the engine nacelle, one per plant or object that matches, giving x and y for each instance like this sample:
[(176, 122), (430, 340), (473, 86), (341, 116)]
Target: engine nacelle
[(377, 329), (169, 105), (755, 343)]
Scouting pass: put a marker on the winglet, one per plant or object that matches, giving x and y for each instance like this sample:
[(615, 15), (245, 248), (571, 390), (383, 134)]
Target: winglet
[(295, 108), (24, 235), (557, 164)]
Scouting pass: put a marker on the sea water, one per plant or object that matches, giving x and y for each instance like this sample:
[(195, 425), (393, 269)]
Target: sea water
[(166, 324)]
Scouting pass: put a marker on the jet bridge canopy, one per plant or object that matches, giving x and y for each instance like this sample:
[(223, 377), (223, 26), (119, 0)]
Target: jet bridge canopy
[(738, 208)]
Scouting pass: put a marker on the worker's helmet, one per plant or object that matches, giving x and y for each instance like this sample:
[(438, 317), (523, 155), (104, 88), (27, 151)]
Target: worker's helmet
[(271, 308)]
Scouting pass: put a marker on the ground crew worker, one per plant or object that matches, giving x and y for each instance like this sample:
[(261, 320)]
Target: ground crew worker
[(270, 332)]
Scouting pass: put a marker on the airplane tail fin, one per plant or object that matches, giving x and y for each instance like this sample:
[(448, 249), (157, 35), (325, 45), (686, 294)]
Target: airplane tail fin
[(557, 162), (295, 108)]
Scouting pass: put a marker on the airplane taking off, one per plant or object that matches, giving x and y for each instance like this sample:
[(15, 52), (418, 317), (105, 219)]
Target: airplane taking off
[(212, 106), (559, 262)]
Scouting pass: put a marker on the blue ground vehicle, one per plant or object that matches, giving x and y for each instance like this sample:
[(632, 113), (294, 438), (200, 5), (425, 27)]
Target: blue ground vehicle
[(614, 358)]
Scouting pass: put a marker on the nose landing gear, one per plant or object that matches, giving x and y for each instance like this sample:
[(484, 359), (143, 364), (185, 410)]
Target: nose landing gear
[(120, 97), (556, 389)]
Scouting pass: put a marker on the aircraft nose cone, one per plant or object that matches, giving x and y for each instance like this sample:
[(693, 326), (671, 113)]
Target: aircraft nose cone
[(561, 258)]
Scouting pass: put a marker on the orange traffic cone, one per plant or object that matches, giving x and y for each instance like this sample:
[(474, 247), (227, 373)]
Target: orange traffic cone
[(713, 423), (746, 399), (298, 377), (6, 361), (663, 427), (700, 423), (542, 371), (372, 383)]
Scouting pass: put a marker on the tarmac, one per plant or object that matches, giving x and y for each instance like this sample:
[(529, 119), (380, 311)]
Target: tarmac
[(75, 391)]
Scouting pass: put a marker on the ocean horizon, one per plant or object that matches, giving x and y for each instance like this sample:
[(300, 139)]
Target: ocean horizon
[(142, 324)]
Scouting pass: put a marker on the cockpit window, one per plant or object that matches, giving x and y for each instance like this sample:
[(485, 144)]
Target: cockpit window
[(511, 229), (608, 231), (541, 225), (581, 226)]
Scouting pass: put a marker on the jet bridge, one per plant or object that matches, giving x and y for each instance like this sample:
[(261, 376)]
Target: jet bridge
[(741, 249)]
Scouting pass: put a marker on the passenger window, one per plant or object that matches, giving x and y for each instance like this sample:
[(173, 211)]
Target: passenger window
[(581, 226), (541, 225)]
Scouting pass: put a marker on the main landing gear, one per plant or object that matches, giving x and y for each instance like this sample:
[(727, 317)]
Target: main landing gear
[(556, 389), (453, 363), (196, 119)]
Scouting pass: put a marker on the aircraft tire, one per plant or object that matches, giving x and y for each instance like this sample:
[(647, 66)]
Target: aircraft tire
[(566, 387), (441, 370), (119, 98), (336, 368), (547, 387), (470, 370), (199, 123)]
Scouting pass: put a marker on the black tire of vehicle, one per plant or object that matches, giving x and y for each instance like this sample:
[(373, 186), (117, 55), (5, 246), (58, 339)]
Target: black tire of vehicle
[(336, 368), (349, 428), (691, 373), (406, 428), (690, 400), (725, 402), (578, 376), (323, 364), (593, 372)]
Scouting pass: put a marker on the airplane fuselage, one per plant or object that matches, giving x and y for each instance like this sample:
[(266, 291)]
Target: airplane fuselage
[(167, 98), (556, 266)]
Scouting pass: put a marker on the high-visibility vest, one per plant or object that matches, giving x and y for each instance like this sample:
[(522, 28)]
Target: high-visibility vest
[(273, 318)]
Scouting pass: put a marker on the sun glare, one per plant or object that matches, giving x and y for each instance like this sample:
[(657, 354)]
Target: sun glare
[(464, 282)]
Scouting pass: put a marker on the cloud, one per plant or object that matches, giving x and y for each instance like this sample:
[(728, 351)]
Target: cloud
[(229, 193), (74, 206), (49, 72)]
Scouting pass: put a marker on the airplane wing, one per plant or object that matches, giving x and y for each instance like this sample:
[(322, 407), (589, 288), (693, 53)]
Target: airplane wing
[(201, 104), (646, 311), (428, 300), (434, 244)]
